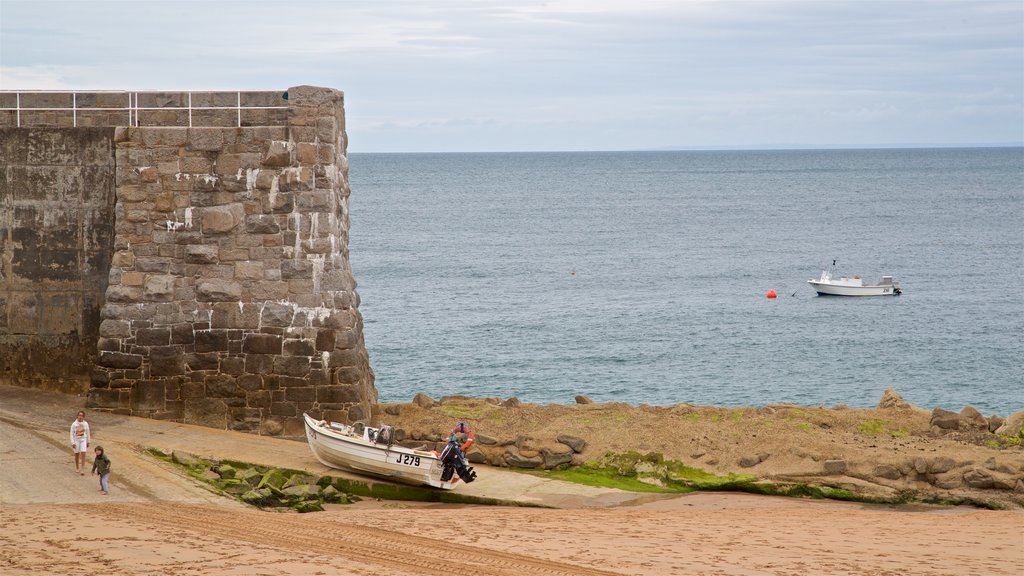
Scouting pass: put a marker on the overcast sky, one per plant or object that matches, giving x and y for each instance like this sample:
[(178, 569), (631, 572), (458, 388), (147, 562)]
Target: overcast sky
[(477, 75)]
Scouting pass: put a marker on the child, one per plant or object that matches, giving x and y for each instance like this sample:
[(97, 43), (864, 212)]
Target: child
[(80, 439), (101, 466)]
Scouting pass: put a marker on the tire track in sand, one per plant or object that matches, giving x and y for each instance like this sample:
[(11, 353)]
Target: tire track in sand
[(304, 534)]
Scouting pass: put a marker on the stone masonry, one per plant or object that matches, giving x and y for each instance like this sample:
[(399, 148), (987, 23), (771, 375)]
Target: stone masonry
[(229, 300)]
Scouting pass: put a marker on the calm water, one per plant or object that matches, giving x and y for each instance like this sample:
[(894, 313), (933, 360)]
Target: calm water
[(641, 276)]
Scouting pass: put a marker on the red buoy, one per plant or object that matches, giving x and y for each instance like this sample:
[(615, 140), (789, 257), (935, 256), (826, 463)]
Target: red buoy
[(771, 294)]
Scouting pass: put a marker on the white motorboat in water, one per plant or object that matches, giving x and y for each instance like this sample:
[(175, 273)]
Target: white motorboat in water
[(828, 285), (372, 451)]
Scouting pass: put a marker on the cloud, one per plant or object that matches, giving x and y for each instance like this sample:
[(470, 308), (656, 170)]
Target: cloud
[(540, 75)]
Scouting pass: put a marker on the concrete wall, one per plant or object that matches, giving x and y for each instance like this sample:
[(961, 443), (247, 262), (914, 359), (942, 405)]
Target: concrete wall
[(228, 300), (56, 240)]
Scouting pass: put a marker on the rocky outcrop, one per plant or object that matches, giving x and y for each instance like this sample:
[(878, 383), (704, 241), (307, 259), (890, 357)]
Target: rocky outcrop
[(891, 399)]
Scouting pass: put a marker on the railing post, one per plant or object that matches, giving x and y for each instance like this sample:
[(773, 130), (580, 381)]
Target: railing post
[(74, 109), (238, 95), (19, 109)]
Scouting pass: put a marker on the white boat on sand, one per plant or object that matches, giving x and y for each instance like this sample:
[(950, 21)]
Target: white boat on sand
[(828, 285), (372, 451)]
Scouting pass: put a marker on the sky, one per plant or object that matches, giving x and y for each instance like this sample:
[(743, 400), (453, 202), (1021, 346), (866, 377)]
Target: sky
[(525, 75)]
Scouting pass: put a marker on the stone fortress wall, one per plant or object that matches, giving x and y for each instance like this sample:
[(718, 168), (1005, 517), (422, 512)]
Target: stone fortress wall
[(182, 255)]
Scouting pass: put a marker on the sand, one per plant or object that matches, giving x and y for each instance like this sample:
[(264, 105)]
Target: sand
[(155, 521)]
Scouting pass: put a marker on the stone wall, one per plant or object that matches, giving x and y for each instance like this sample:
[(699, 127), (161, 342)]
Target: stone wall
[(229, 300), (56, 238)]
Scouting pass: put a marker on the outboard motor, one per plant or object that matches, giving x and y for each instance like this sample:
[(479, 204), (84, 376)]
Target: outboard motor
[(385, 435), (453, 461)]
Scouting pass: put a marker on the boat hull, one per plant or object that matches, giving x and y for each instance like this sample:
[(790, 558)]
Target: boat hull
[(830, 289), (395, 463)]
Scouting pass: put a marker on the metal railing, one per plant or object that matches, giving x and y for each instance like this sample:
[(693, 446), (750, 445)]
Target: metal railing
[(132, 105)]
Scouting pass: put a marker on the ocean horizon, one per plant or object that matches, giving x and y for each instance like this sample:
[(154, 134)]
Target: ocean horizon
[(641, 276)]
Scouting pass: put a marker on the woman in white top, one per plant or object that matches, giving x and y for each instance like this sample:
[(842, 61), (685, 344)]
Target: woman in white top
[(80, 439)]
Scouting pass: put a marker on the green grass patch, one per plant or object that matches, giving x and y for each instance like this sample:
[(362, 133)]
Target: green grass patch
[(805, 426), (871, 427), (636, 472)]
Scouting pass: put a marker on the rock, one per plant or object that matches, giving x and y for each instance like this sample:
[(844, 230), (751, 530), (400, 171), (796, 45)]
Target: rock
[(945, 419), (512, 402), (300, 480), (891, 399), (258, 496), (994, 422), (332, 494), (476, 455), (971, 418), (978, 478), (555, 459), (1013, 425), (515, 459), (835, 466), (226, 471), (250, 476), (308, 506), (393, 409), (990, 464), (273, 478), (486, 440), (946, 481), (577, 444), (941, 464), (920, 465), (422, 400), (886, 471), (302, 492), (748, 461), (186, 460), (581, 399)]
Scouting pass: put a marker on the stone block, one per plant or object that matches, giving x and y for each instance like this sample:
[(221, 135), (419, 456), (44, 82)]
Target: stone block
[(158, 288), (220, 219), (300, 394), (262, 344), (211, 341), (233, 315), (202, 361), (296, 269), (259, 363), (182, 334), (216, 290), (115, 329), (153, 336), (124, 294), (283, 409), (278, 154), (299, 347), (148, 395), (234, 365), (166, 361), (206, 139), (295, 366), (211, 412), (119, 360), (338, 394), (103, 398), (223, 386)]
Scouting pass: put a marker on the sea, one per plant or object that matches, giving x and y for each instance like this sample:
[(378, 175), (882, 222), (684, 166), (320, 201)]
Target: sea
[(641, 277)]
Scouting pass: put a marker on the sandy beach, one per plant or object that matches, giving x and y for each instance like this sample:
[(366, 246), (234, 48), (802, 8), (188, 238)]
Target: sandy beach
[(155, 521)]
